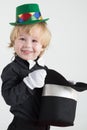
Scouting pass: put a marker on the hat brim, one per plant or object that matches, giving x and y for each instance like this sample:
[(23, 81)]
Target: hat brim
[(29, 22)]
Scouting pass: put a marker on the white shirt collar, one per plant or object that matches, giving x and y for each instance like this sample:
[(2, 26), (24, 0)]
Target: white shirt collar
[(40, 61)]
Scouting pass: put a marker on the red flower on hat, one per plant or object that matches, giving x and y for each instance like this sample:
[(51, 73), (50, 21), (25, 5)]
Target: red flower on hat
[(25, 16)]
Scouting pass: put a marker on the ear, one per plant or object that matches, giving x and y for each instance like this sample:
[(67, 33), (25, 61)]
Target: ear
[(42, 49)]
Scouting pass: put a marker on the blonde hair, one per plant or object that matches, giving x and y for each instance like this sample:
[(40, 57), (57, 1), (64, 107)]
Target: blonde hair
[(45, 34)]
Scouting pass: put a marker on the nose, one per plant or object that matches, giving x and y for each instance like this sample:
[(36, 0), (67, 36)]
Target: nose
[(28, 44)]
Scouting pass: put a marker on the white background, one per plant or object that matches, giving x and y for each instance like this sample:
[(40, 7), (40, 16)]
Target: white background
[(66, 54)]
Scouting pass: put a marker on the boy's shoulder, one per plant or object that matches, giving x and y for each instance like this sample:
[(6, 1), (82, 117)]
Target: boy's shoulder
[(10, 68)]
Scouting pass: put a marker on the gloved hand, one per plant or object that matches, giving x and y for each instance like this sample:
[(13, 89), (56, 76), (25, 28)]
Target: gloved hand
[(35, 79)]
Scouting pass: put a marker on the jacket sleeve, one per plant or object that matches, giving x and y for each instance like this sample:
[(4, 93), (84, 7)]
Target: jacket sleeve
[(14, 90)]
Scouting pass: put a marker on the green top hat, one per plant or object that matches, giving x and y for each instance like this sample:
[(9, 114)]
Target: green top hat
[(28, 14)]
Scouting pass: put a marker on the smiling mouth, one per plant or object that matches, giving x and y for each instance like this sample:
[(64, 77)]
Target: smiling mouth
[(27, 52)]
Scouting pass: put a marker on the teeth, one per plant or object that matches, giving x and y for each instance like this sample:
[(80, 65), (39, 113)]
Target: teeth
[(26, 50)]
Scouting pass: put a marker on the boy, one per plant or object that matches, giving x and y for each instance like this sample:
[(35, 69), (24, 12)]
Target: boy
[(26, 81), (29, 38)]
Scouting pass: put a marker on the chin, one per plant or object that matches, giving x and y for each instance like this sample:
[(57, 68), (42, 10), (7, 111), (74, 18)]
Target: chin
[(28, 58)]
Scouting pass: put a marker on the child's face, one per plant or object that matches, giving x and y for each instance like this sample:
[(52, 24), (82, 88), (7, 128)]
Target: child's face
[(28, 47)]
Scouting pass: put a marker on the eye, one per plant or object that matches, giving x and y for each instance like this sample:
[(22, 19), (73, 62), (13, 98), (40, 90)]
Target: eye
[(34, 40), (22, 39)]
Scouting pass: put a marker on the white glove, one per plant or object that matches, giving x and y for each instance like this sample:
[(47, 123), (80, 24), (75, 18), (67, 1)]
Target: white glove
[(35, 79)]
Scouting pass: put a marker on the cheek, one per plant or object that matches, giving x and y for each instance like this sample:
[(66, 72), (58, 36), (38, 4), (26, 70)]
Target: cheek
[(17, 46), (39, 48)]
